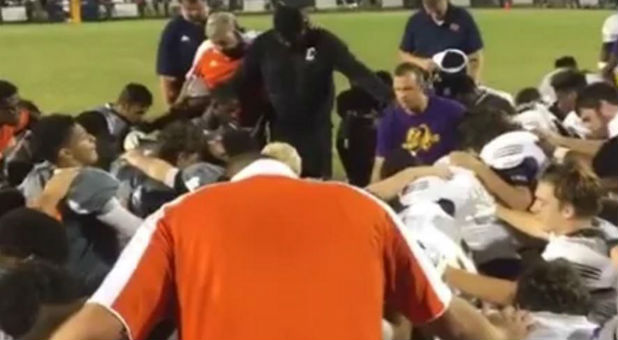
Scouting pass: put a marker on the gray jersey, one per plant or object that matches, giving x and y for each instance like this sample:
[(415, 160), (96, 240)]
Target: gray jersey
[(34, 183)]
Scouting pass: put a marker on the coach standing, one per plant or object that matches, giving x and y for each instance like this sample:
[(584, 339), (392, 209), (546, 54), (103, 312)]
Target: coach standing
[(179, 41), (438, 26), (294, 63)]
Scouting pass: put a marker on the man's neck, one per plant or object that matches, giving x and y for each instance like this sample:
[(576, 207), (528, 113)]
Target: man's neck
[(574, 225), (69, 163), (421, 108)]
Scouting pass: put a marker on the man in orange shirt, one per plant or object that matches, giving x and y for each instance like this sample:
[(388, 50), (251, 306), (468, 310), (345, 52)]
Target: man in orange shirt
[(217, 58), (269, 256), (9, 114)]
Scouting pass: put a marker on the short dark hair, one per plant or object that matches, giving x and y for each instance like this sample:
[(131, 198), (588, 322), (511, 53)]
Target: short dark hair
[(553, 287), (93, 122), (591, 96), (25, 286), (565, 62), (406, 68), (10, 199), (50, 135), (574, 183), (7, 90), (385, 76), (568, 80), (135, 94), (179, 137), (396, 161), (25, 232), (527, 95), (239, 142), (481, 125)]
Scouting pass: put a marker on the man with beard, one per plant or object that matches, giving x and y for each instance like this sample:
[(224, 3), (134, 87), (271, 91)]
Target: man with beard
[(294, 64), (179, 42)]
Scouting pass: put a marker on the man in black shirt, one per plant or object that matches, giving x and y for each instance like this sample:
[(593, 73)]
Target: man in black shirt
[(294, 63)]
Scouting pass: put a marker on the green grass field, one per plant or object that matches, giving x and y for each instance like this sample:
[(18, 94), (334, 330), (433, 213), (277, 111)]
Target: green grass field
[(69, 68)]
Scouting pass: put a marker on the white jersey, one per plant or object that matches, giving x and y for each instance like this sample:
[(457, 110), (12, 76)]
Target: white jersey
[(547, 91), (438, 235), (589, 256), (574, 124), (516, 157), (537, 117), (473, 212), (551, 326)]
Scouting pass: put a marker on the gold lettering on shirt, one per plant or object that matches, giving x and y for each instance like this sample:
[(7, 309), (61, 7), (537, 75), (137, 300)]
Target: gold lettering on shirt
[(420, 138)]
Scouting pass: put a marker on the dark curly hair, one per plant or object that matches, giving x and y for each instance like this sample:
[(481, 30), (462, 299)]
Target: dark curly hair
[(25, 232), (481, 125), (553, 287), (180, 138), (25, 286)]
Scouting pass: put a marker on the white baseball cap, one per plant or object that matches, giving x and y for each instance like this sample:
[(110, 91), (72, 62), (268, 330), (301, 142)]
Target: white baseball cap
[(456, 55)]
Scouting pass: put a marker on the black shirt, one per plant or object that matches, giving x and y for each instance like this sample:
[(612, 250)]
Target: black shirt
[(299, 82), (605, 162), (179, 42)]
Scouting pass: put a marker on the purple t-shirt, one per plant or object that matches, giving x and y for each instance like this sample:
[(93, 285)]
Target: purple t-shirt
[(429, 135)]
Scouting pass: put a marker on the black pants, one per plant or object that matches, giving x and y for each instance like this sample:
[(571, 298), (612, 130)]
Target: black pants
[(314, 147), (356, 145)]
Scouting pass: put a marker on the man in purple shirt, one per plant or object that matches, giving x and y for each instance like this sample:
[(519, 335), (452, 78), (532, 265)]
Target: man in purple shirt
[(425, 125)]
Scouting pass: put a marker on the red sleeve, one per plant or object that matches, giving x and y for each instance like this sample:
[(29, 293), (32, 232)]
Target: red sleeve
[(413, 286), (138, 290)]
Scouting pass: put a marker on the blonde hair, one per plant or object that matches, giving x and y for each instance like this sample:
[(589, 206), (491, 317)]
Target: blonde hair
[(285, 153), (220, 24)]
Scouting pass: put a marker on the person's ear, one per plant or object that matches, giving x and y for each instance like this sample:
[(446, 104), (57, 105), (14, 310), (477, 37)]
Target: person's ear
[(64, 153), (568, 211)]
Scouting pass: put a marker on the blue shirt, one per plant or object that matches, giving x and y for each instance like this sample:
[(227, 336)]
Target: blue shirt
[(179, 42), (430, 135), (423, 37)]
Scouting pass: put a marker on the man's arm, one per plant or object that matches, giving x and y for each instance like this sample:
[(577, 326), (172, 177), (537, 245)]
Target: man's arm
[(415, 289), (377, 168), (155, 168), (389, 188), (167, 67), (522, 221), (476, 61), (358, 73), (170, 89), (463, 321), (516, 197), (91, 322), (586, 147), (487, 289)]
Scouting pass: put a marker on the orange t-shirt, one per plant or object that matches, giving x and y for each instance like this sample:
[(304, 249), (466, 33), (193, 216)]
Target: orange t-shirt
[(270, 257), (214, 67), (8, 132)]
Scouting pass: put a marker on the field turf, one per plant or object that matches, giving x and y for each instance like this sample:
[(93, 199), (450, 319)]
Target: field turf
[(69, 68)]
